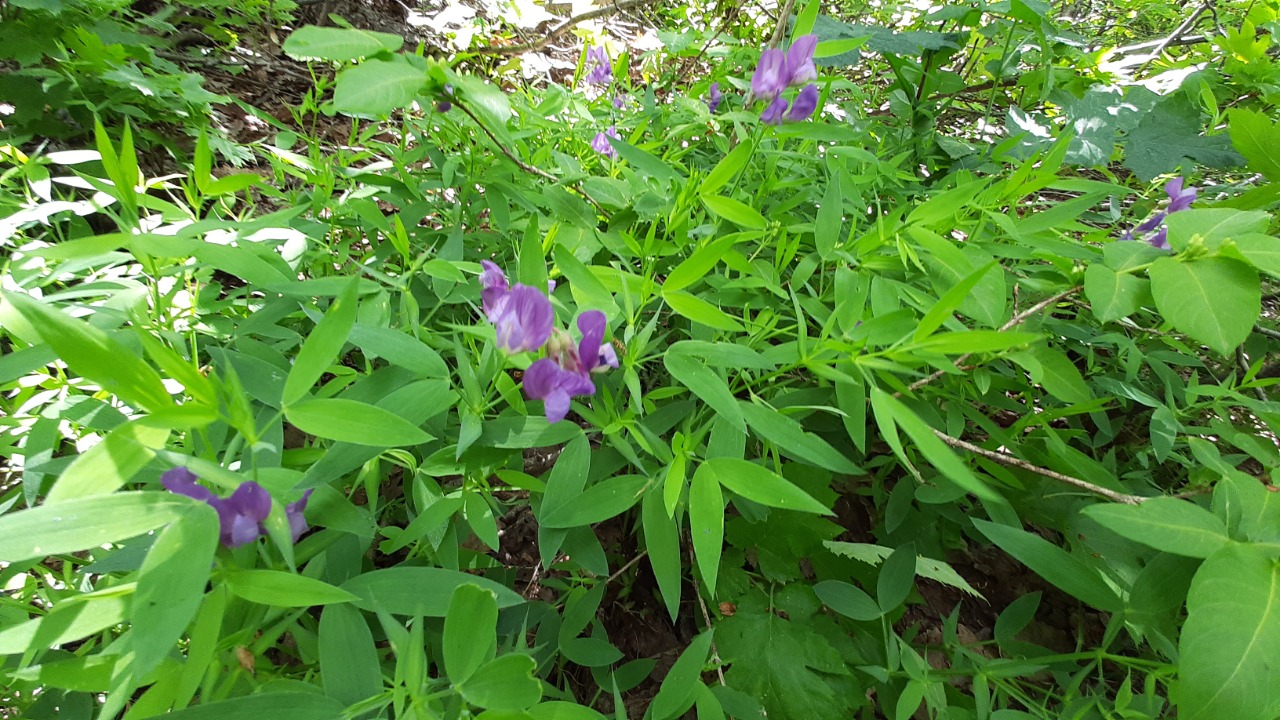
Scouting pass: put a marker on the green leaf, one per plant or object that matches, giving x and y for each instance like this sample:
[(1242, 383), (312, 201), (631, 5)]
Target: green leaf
[(107, 466), (284, 589), (947, 304), (887, 408), (1174, 526), (1113, 295), (848, 600), (399, 348), (1257, 139), (1230, 644), (707, 385), (561, 710), (423, 591), (75, 618), (897, 578), (349, 663), (89, 352), (645, 162), (1214, 300), (354, 422), (829, 225), (171, 586), (792, 440), (312, 42), (275, 705), (321, 348), (1262, 251), (1052, 563), (377, 88), (1213, 226), (1170, 136), (761, 485), (598, 503), (699, 310), (506, 683), (724, 170), (935, 570), (662, 540), (84, 523), (470, 638), (676, 693), (1055, 371), (706, 524), (735, 211), (696, 266)]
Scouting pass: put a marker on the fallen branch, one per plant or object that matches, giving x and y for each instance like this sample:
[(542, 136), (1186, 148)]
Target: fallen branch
[(558, 30)]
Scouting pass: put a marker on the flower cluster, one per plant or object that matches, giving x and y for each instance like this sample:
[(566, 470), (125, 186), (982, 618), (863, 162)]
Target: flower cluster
[(601, 72), (241, 515), (1179, 199), (714, 96), (600, 143), (780, 70), (523, 318)]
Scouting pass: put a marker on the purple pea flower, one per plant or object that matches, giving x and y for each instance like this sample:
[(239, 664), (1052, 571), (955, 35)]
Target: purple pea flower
[(714, 96), (241, 515), (600, 143), (601, 72), (1180, 198), (772, 115), (800, 67), (522, 315), (806, 102), (619, 102), (771, 75), (566, 372)]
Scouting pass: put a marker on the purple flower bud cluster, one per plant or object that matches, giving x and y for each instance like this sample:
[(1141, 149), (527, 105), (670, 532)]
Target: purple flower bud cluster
[(714, 96), (240, 516), (601, 72), (524, 321), (1180, 198), (780, 70), (600, 143)]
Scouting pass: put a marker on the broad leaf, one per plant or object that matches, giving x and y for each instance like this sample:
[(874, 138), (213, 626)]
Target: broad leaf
[(1214, 300), (1174, 526)]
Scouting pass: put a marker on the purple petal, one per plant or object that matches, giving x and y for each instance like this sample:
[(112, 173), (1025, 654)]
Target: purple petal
[(1151, 223), (239, 530), (771, 74), (592, 326), (608, 357), (806, 102), (773, 114), (251, 501), (182, 481), (714, 96), (294, 512), (600, 143), (1160, 240), (493, 288), (547, 381), (800, 66), (524, 321), (1179, 199)]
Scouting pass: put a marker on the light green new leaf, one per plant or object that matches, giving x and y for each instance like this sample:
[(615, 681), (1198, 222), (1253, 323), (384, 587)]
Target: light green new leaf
[(470, 639), (791, 439), (761, 485), (72, 525), (338, 44), (506, 683), (88, 352), (735, 211), (1175, 526), (1112, 295), (354, 422), (1230, 644), (1052, 563), (376, 88), (1257, 138), (1262, 251), (706, 524), (284, 589), (349, 663), (598, 503), (707, 385), (1214, 300), (321, 348)]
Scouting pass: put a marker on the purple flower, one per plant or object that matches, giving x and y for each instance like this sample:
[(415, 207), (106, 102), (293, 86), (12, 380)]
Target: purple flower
[(619, 102), (601, 72), (772, 115), (714, 96), (522, 315), (600, 143), (445, 104), (800, 68), (1179, 199), (806, 102), (1160, 240), (566, 372), (494, 283), (241, 515), (771, 75)]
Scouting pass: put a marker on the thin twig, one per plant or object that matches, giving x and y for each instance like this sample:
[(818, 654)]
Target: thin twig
[(1273, 334), (1012, 461), (1015, 321), (522, 164), (706, 616), (1243, 363), (1185, 26), (643, 554), (781, 28), (557, 31)]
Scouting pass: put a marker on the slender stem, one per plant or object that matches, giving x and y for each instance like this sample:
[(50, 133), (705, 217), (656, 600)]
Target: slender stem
[(706, 616), (643, 554)]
